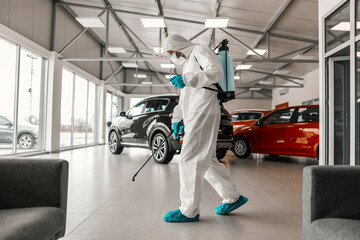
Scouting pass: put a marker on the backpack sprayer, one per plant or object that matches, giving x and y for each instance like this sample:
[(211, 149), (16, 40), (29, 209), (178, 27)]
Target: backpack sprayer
[(225, 88)]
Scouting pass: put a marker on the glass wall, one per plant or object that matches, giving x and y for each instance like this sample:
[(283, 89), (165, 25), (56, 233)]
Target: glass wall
[(337, 27), (21, 94), (78, 110), (113, 107)]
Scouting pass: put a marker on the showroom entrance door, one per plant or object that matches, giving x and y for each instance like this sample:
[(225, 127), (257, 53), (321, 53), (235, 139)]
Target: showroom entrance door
[(339, 110)]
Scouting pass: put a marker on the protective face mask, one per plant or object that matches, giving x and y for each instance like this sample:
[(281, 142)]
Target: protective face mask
[(178, 61)]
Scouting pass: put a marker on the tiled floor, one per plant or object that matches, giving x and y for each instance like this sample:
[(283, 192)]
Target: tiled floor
[(105, 204)]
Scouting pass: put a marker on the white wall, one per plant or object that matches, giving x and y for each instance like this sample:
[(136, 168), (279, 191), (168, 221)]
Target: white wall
[(238, 104), (298, 95)]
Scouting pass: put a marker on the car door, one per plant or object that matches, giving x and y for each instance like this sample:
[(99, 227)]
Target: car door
[(304, 132), (128, 126), (6, 130), (150, 113), (271, 135)]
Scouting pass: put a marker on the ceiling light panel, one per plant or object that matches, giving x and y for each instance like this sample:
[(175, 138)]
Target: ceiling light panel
[(167, 65), (90, 22), (116, 49), (156, 49), (243, 67), (258, 51), (140, 76), (168, 76), (153, 22), (255, 89), (130, 65), (216, 22)]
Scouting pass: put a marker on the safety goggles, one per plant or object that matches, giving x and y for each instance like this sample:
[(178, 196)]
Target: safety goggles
[(177, 54)]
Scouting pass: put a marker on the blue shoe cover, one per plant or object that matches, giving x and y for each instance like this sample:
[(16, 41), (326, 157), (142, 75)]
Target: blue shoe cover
[(226, 208), (177, 216)]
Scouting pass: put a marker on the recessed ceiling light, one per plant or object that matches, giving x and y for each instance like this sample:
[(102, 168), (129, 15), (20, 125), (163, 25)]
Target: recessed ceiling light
[(167, 65), (216, 22), (140, 76), (130, 65), (237, 77), (168, 76), (243, 66), (116, 50), (153, 22), (147, 83), (90, 22), (156, 49), (258, 51), (255, 89)]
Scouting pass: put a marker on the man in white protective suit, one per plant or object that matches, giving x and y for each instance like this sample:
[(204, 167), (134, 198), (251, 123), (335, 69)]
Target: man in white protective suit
[(200, 111)]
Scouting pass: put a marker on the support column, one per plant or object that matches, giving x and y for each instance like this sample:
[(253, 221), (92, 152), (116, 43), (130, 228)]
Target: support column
[(102, 113), (53, 107)]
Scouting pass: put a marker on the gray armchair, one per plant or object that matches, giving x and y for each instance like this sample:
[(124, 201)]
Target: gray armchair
[(331, 203), (33, 198)]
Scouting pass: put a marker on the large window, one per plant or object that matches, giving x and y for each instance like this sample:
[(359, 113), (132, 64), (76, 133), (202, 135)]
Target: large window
[(78, 110), (113, 107), (21, 93)]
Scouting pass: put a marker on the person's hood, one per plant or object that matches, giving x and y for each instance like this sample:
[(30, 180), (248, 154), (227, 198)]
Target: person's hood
[(178, 43)]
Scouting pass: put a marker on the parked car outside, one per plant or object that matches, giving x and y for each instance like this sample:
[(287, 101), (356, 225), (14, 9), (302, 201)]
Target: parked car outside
[(292, 131), (148, 123), (247, 117), (27, 133)]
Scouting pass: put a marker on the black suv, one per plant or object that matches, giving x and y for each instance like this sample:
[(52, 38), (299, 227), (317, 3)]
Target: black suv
[(148, 123)]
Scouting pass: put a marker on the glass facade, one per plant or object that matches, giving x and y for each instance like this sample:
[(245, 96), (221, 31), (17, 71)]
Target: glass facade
[(22, 76), (78, 107), (337, 27)]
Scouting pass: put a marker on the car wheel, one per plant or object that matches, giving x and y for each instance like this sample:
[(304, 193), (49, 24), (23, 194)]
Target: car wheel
[(241, 147), (114, 143), (160, 148), (221, 153), (26, 141)]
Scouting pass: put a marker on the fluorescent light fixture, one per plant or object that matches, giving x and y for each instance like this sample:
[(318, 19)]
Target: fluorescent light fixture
[(168, 76), (140, 76), (156, 49), (258, 51), (344, 26), (216, 22), (167, 65), (90, 22), (255, 89), (236, 77), (130, 65), (147, 83), (265, 83), (243, 67), (153, 22), (116, 50)]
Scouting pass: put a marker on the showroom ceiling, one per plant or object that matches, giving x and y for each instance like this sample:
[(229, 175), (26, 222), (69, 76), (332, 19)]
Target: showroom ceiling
[(292, 25)]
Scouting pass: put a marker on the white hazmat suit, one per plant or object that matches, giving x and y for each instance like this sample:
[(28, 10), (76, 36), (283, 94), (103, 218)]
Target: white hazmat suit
[(200, 110)]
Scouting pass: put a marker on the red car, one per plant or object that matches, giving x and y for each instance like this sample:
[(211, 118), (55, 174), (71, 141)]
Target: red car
[(290, 131), (246, 117)]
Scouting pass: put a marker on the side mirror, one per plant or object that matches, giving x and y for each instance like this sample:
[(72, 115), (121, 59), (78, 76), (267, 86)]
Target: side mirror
[(108, 124), (122, 114), (9, 124), (258, 123)]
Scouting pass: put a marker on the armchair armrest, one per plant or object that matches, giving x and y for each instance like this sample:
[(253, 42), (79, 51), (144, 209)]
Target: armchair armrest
[(31, 182), (331, 192)]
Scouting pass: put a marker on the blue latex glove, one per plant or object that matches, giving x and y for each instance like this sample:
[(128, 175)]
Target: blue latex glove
[(177, 81), (177, 128)]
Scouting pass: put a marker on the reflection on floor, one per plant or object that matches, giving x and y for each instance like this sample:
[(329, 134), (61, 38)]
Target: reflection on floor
[(105, 204)]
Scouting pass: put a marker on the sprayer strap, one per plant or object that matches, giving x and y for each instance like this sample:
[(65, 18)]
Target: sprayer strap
[(219, 89)]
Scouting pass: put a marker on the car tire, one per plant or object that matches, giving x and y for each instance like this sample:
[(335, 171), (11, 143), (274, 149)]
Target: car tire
[(26, 141), (163, 156), (221, 153), (241, 147), (114, 143)]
